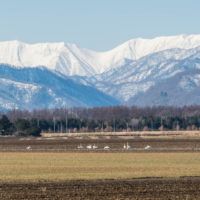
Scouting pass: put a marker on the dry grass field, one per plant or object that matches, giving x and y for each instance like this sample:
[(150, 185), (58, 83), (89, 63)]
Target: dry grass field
[(78, 166), (55, 169), (145, 134)]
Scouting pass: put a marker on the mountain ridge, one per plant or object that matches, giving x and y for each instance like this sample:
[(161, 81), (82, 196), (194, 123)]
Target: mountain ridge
[(28, 89), (128, 74), (70, 60)]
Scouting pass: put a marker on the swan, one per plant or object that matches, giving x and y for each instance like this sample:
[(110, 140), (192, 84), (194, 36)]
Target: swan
[(80, 147), (95, 147), (28, 148), (128, 146), (147, 147), (89, 147)]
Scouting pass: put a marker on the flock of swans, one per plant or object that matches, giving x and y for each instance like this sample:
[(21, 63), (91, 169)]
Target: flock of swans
[(125, 147), (93, 147)]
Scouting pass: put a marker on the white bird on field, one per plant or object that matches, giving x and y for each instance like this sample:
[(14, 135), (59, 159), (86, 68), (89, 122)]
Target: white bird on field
[(28, 148), (80, 147), (89, 147), (127, 146), (106, 147), (95, 147), (147, 147)]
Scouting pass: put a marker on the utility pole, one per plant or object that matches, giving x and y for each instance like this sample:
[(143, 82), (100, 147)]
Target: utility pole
[(151, 124), (38, 122), (54, 125), (126, 126), (61, 127), (114, 126), (80, 125), (66, 120), (66, 124), (102, 127)]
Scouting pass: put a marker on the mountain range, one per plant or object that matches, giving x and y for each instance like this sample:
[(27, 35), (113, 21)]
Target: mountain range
[(141, 72)]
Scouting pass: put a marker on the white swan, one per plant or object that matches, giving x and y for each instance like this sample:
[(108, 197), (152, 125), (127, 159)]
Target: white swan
[(95, 147), (127, 146), (80, 147), (28, 148), (147, 147), (89, 147)]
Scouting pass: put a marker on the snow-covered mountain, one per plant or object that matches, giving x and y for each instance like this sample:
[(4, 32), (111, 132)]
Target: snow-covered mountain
[(32, 88), (69, 59), (159, 71), (140, 75), (179, 90)]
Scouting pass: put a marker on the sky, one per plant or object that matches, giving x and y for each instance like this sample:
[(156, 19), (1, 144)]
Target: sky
[(96, 24)]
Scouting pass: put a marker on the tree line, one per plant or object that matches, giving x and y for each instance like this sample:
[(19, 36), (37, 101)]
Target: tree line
[(114, 119)]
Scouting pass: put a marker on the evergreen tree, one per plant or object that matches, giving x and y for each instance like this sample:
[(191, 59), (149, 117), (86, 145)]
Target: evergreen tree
[(5, 126)]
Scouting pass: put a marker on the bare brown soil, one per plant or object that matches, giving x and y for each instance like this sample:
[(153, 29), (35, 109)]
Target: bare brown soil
[(165, 189), (115, 144)]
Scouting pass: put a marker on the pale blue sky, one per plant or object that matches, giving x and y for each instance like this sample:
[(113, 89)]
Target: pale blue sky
[(96, 24)]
